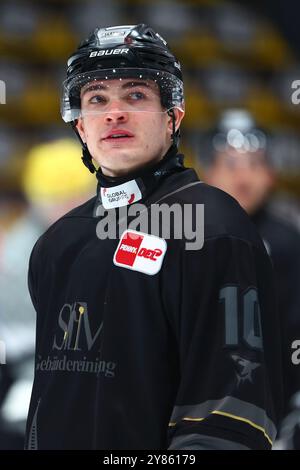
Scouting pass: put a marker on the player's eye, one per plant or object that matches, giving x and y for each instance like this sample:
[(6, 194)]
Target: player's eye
[(137, 95), (97, 99)]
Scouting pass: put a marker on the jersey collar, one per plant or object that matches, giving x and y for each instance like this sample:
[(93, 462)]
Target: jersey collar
[(113, 192)]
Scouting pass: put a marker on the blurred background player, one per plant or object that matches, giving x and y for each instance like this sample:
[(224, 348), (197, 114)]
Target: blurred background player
[(53, 183), (237, 158)]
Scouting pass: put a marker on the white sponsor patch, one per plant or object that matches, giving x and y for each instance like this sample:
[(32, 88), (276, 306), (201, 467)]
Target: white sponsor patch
[(113, 34), (140, 252), (122, 195)]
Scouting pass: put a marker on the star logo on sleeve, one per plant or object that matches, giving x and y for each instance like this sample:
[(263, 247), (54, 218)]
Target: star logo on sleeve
[(243, 368)]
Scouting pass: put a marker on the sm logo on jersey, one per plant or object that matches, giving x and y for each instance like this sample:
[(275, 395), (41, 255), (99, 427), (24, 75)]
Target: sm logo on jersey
[(75, 330), (140, 252)]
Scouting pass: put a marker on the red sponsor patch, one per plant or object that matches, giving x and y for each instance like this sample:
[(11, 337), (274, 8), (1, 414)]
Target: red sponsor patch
[(140, 252)]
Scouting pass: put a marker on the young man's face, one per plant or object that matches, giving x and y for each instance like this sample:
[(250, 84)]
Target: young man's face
[(124, 125)]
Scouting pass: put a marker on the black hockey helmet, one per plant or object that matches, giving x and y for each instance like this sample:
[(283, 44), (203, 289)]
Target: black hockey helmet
[(122, 52)]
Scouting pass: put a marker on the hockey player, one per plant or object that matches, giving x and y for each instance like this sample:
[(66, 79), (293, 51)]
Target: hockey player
[(238, 159), (147, 341)]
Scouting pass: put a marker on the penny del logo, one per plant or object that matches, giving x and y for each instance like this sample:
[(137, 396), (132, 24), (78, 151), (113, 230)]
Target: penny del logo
[(140, 252)]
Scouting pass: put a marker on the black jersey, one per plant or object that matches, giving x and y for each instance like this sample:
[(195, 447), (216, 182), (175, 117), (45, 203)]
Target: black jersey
[(181, 354), (282, 241)]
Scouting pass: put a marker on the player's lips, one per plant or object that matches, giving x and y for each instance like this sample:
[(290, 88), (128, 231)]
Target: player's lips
[(115, 135)]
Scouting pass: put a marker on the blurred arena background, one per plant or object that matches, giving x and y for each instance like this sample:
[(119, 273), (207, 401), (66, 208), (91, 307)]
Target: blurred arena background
[(234, 54)]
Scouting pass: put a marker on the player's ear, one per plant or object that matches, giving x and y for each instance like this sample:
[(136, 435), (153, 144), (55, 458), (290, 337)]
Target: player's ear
[(178, 114), (80, 129)]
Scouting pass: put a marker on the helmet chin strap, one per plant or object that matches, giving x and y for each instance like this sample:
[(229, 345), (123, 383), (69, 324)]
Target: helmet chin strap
[(87, 159), (86, 156), (175, 134)]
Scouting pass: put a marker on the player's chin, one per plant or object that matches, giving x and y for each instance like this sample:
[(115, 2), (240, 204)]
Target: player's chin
[(122, 162), (121, 157), (124, 152)]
